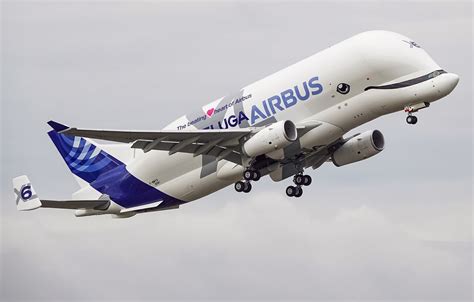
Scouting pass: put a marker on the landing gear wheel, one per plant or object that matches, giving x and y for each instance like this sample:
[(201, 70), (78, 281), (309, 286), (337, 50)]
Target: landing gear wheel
[(298, 179), (239, 186), (411, 119), (252, 175), (307, 180), (248, 174), (298, 191), (290, 191), (256, 176), (247, 187)]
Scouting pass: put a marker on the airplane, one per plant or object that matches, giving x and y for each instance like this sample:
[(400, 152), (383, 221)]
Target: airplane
[(295, 119)]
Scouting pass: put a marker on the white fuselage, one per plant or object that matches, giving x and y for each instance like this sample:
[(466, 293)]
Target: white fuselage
[(375, 58)]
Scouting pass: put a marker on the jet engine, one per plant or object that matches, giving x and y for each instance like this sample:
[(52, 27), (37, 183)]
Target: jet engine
[(274, 137), (359, 147)]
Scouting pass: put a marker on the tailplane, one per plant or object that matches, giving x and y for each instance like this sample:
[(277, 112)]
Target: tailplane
[(27, 199)]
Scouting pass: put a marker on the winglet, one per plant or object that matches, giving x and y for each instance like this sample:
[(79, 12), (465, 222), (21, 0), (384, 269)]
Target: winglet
[(26, 197), (57, 126)]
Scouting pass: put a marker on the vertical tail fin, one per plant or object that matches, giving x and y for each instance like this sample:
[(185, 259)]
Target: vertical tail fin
[(84, 158)]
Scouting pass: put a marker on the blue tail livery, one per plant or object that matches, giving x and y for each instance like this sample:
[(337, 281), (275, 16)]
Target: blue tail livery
[(82, 157), (105, 173)]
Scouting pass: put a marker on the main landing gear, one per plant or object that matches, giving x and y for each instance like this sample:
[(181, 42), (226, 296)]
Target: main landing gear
[(246, 186), (252, 175), (243, 186), (299, 180)]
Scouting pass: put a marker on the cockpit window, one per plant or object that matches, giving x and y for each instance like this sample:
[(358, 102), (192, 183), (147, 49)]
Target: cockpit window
[(410, 82), (436, 73)]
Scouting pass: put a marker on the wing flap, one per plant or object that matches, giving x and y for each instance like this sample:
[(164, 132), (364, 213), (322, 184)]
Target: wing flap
[(213, 150), (142, 207)]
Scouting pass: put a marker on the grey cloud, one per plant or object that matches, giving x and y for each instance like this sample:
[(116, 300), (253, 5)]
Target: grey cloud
[(264, 247)]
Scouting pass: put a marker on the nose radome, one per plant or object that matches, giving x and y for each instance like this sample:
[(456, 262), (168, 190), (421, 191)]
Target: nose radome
[(452, 80), (447, 83)]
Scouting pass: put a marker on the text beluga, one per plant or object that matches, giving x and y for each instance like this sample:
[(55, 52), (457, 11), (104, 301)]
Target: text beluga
[(272, 105)]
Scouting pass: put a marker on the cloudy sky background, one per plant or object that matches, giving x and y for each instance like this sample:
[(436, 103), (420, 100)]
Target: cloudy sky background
[(397, 226)]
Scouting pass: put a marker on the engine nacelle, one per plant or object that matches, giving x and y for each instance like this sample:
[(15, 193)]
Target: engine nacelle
[(274, 137), (358, 148)]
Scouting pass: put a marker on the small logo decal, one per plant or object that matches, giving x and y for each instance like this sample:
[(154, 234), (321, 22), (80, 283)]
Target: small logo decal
[(24, 194), (412, 44), (343, 88), (210, 112)]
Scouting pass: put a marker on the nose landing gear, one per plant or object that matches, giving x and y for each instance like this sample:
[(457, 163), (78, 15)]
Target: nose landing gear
[(411, 119)]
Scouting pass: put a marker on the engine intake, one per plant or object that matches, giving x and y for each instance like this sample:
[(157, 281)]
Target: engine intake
[(358, 148), (274, 137)]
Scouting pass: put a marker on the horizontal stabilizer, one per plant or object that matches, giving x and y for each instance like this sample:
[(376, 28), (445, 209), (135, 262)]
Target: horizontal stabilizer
[(27, 199), (76, 204)]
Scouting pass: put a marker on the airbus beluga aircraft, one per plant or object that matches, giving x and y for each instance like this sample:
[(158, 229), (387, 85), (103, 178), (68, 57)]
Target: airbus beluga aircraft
[(280, 126)]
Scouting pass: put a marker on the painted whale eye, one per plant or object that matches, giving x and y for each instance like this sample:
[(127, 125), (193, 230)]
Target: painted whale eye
[(343, 88)]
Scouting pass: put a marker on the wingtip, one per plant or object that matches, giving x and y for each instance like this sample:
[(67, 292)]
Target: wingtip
[(57, 126)]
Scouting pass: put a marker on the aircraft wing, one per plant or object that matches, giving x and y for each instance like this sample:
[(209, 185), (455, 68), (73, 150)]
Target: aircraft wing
[(223, 144)]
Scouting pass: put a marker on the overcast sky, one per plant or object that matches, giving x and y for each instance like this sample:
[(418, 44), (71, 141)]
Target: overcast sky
[(397, 226)]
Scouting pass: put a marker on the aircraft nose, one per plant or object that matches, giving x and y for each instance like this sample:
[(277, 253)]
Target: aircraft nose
[(452, 80), (446, 83)]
